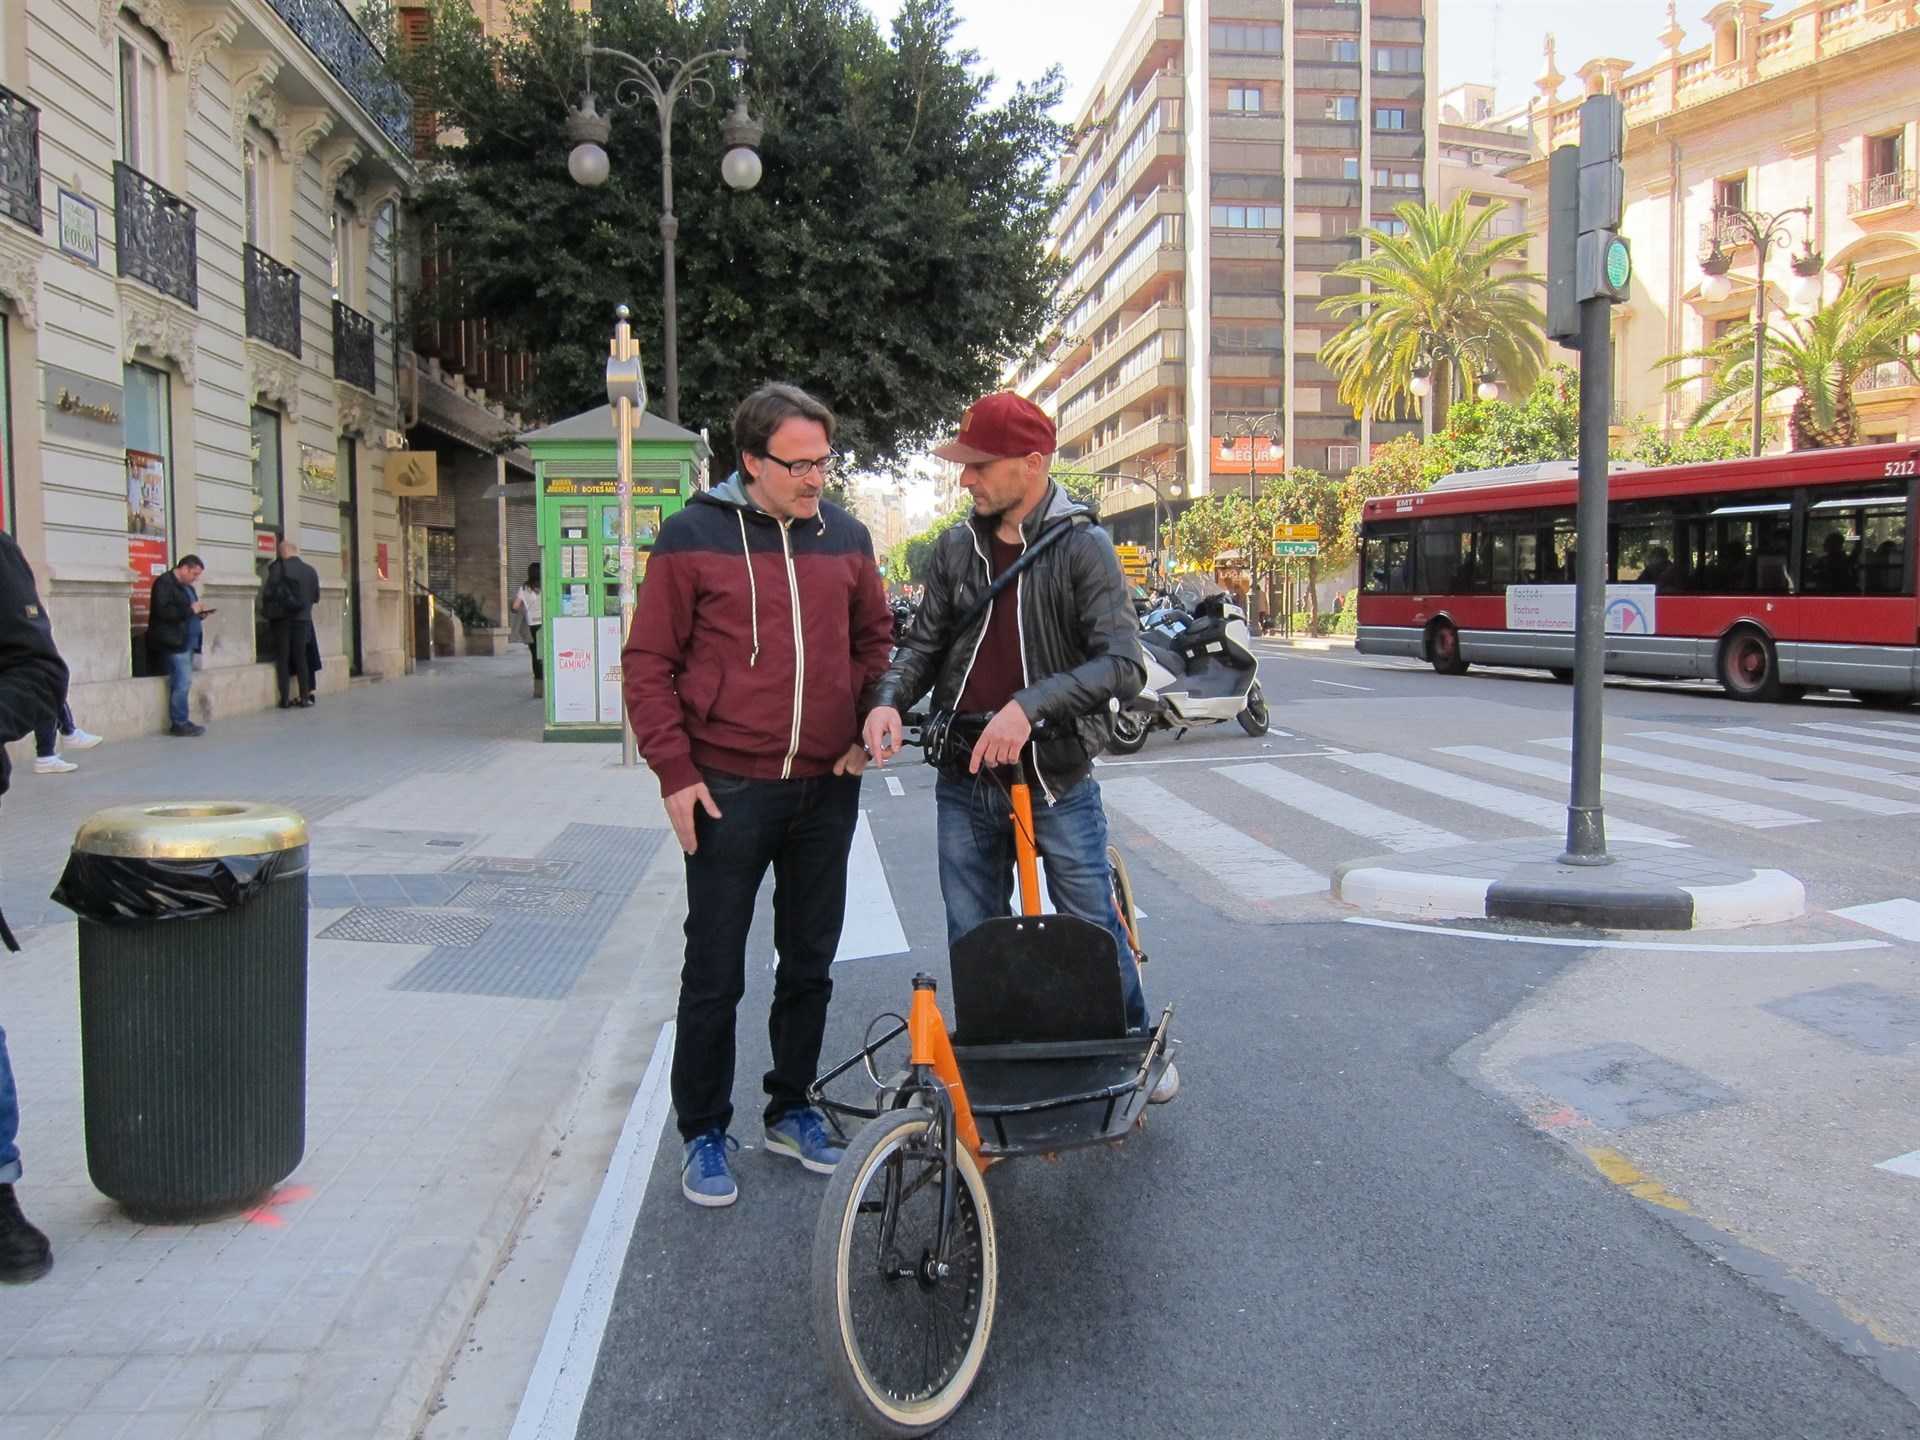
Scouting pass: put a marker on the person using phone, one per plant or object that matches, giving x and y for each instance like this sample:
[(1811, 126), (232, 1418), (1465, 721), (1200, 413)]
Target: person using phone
[(174, 637)]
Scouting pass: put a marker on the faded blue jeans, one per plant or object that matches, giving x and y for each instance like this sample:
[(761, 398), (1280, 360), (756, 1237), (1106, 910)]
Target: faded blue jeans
[(179, 687), (9, 1119), (975, 828)]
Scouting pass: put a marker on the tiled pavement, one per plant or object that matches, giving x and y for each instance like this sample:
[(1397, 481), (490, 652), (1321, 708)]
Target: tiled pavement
[(437, 1074)]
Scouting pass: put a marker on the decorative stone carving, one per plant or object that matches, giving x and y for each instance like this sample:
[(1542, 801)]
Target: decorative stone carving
[(210, 27), (20, 276), (253, 72), (336, 158), (357, 412), (374, 196), (273, 375), (164, 17), (159, 326), (306, 129)]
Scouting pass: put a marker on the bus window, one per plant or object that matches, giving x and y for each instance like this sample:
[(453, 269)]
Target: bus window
[(1446, 558), (1386, 564), (1644, 545), (1526, 559), (1496, 554), (1856, 543), (1559, 559), (1740, 547)]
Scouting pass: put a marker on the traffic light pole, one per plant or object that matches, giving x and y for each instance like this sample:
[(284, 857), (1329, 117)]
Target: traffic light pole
[(1586, 815)]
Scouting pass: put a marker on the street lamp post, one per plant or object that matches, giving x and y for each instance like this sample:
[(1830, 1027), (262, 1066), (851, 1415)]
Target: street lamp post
[(627, 393), (1154, 474), (1763, 231), (664, 81), (1269, 425), (1435, 347)]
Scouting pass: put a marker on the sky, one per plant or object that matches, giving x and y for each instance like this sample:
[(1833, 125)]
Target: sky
[(1018, 39)]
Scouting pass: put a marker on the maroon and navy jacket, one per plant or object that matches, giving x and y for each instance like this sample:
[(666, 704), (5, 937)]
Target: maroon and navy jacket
[(755, 642)]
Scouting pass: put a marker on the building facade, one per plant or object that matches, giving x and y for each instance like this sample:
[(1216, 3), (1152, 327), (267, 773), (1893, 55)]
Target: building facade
[(1478, 146), (199, 224), (1227, 158), (1781, 107)]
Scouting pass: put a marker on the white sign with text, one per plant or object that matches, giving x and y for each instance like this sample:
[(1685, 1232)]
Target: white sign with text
[(609, 668), (1630, 608), (574, 697)]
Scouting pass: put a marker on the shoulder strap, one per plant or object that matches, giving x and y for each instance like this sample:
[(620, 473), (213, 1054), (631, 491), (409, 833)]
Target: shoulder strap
[(1012, 572)]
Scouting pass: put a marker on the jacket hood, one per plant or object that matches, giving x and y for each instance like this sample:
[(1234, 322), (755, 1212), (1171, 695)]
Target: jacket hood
[(731, 492)]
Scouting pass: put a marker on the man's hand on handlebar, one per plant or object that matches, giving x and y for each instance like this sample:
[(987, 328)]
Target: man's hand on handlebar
[(1001, 742), (884, 733), (680, 810)]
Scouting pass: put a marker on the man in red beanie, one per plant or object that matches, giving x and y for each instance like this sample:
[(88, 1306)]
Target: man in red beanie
[(1054, 647)]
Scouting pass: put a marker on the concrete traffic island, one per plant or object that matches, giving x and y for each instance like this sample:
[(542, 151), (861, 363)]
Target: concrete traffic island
[(1647, 887)]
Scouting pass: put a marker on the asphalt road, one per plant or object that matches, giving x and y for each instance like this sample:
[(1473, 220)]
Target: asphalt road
[(1333, 1231)]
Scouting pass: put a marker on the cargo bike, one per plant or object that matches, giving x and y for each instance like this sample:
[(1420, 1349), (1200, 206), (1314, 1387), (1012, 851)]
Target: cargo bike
[(905, 1263)]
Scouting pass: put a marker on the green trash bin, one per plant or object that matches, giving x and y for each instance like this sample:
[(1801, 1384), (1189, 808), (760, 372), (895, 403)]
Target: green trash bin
[(193, 1002)]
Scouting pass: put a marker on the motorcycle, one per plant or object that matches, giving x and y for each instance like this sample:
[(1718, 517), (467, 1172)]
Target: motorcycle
[(1201, 670)]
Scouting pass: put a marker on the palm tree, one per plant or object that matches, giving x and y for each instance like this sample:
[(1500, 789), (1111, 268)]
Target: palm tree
[(1822, 356), (1437, 288)]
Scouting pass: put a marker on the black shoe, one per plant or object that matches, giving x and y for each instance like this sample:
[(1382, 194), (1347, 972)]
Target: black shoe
[(286, 705), (25, 1254), (188, 730)]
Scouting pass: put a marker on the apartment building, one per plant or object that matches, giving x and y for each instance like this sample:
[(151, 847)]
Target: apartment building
[(1478, 146), (1227, 158), (198, 212), (1774, 108)]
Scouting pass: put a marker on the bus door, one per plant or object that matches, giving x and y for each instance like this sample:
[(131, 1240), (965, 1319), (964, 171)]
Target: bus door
[(1856, 564), (1735, 560)]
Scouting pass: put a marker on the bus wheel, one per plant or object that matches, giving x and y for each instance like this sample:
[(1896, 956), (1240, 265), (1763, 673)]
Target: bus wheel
[(1443, 649), (1883, 699), (1749, 669), (1564, 677)]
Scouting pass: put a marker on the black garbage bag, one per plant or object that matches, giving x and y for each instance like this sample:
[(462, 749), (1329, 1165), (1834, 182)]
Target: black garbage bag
[(119, 890)]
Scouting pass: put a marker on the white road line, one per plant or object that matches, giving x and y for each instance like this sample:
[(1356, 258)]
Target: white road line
[(1899, 918), (1337, 807), (1845, 747), (1824, 947), (1907, 1164), (556, 1393), (1342, 685), (1106, 764), (1517, 805), (1792, 760), (1237, 860), (1833, 728), (872, 926), (1693, 770), (1673, 797), (894, 787)]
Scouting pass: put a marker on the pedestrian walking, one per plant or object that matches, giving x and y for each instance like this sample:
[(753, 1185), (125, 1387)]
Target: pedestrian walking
[(175, 614), (287, 596), (761, 625), (48, 736), (33, 688), (524, 629)]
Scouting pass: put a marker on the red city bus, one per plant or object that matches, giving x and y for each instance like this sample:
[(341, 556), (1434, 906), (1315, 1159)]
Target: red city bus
[(1772, 576)]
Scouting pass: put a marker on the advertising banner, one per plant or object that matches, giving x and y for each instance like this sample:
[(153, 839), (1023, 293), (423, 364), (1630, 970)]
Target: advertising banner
[(574, 699), (1630, 609), (147, 560), (146, 494), (609, 664)]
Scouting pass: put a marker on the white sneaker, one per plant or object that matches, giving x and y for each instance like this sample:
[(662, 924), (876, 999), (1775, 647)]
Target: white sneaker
[(52, 765), (1166, 1087), (79, 740)]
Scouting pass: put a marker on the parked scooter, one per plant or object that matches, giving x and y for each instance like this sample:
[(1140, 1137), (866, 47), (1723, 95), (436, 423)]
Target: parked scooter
[(1201, 670)]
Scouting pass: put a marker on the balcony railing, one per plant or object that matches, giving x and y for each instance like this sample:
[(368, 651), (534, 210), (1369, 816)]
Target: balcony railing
[(273, 301), (1893, 188), (326, 29), (352, 347), (19, 160), (157, 236), (1886, 376)]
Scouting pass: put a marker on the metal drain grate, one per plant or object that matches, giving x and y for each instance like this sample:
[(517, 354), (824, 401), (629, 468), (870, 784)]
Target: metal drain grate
[(512, 865), (490, 895), (379, 926)]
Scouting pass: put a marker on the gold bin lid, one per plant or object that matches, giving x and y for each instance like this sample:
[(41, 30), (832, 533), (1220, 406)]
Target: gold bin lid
[(191, 830)]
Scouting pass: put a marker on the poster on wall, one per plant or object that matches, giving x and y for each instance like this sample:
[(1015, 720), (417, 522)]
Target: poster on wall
[(146, 494), (609, 627), (574, 698), (147, 560)]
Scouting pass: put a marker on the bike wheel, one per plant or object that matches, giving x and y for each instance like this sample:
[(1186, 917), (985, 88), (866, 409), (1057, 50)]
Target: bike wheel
[(1122, 884), (903, 1343)]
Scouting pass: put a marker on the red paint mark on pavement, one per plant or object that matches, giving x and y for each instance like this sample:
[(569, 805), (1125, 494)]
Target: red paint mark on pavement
[(1560, 1119), (292, 1195)]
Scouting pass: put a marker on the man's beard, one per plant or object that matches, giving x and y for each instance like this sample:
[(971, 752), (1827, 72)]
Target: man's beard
[(981, 512)]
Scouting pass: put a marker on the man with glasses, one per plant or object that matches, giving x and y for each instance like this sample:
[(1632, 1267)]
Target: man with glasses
[(760, 629)]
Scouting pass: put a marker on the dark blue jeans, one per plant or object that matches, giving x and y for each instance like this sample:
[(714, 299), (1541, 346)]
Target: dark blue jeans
[(803, 831), (46, 734), (976, 863), (9, 1119), (179, 686)]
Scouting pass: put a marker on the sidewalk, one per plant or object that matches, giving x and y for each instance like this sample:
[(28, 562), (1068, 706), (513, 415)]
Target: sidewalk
[(484, 982)]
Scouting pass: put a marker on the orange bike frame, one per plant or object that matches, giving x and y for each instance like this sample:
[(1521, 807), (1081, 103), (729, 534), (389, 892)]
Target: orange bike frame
[(929, 1046), (1026, 858)]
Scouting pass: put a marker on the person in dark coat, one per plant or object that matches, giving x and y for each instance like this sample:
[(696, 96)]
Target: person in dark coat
[(291, 590), (174, 615), (33, 688)]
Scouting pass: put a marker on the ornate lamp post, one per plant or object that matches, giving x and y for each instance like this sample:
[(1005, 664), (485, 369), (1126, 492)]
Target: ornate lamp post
[(1435, 347), (1158, 477), (1763, 231), (1269, 425), (663, 80)]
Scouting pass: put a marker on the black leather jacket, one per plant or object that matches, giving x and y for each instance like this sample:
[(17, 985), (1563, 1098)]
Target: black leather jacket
[(1079, 637)]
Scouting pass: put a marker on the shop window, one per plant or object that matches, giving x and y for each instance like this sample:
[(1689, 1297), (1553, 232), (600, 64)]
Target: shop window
[(267, 512)]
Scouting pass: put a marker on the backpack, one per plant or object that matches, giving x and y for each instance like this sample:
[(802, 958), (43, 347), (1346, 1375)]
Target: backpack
[(279, 598)]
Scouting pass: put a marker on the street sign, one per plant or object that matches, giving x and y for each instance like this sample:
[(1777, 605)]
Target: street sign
[(1294, 549), (1131, 552), (1296, 532)]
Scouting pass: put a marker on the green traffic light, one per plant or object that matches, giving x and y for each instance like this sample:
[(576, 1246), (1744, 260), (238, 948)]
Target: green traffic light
[(1619, 264)]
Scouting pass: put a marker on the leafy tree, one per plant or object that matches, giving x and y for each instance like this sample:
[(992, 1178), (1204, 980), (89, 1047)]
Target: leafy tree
[(1821, 356), (1484, 434), (1443, 278), (1692, 446), (1081, 485), (907, 561), (1306, 497), (892, 258)]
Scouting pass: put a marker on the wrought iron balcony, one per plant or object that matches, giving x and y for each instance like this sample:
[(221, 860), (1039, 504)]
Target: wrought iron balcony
[(19, 159), (157, 235), (1894, 188), (339, 43), (1885, 376), (352, 347), (273, 301)]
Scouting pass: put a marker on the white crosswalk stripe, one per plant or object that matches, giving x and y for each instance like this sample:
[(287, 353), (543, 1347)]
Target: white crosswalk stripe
[(1518, 805), (1792, 760), (1899, 918), (1800, 790), (1673, 797), (1339, 808), (1819, 742), (872, 926), (1237, 860), (1833, 728)]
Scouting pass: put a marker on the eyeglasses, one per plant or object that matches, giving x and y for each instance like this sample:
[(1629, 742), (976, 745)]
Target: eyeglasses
[(800, 469)]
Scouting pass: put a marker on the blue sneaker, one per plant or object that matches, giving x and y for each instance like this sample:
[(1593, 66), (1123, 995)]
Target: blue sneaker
[(705, 1177), (803, 1135)]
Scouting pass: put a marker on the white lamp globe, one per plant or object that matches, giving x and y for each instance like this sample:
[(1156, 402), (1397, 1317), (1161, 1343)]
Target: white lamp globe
[(587, 164), (1806, 290), (1715, 288), (1487, 390), (740, 167), (1421, 386)]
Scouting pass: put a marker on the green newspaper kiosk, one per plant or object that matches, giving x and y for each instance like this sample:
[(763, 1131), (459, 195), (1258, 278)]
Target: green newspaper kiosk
[(576, 487)]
